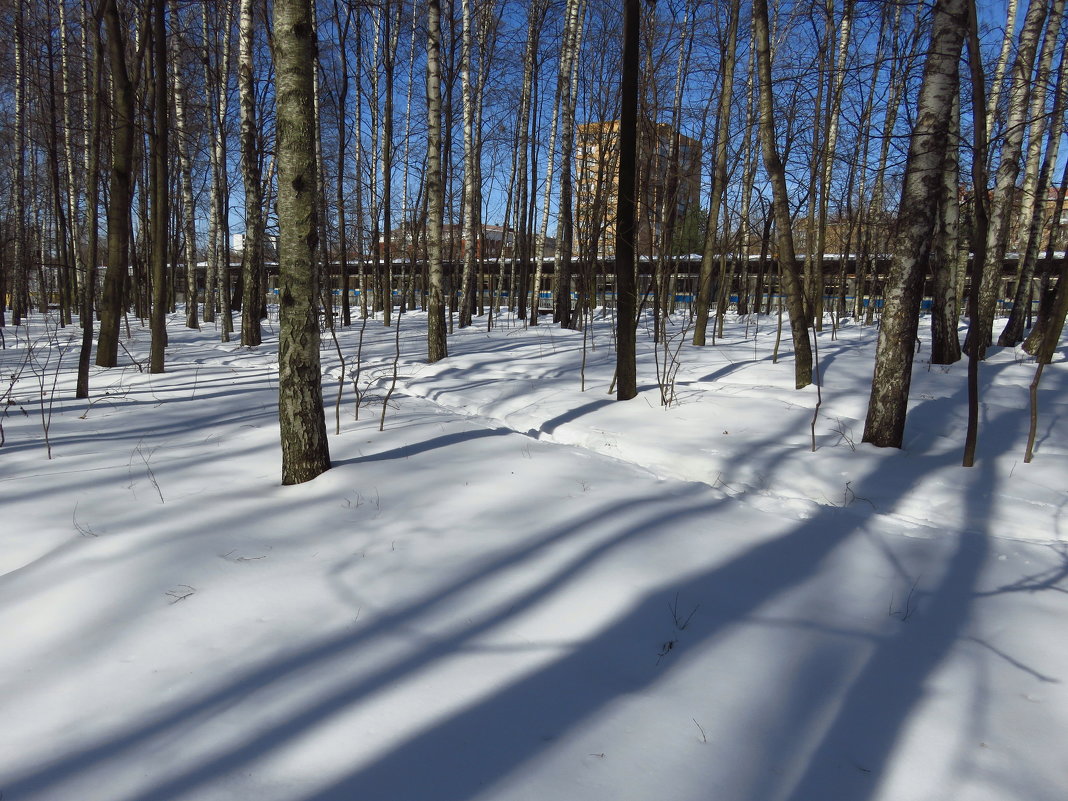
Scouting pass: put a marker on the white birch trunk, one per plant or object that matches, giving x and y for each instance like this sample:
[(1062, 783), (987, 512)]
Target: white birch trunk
[(1029, 189), (305, 452), (997, 85), (569, 59), (68, 146), (1007, 173), (185, 169), (19, 289), (837, 82), (535, 15), (470, 189), (917, 216), (570, 25), (437, 347), (719, 179), (1034, 216)]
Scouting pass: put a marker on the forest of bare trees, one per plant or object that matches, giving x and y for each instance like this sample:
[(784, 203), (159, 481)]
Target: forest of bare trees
[(891, 163)]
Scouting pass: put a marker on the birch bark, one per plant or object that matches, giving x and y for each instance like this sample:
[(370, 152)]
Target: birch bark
[(160, 173), (888, 401), (305, 452), (185, 180), (252, 255), (719, 177), (1036, 174), (437, 348), (1008, 170)]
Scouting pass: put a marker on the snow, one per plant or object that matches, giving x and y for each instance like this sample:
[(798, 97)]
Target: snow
[(522, 589)]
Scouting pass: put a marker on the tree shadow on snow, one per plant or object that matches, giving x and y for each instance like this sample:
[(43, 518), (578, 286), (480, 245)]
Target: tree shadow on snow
[(462, 756), (425, 446), (839, 736)]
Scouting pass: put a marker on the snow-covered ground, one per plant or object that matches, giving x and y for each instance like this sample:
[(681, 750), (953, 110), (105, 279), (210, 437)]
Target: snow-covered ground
[(522, 590)]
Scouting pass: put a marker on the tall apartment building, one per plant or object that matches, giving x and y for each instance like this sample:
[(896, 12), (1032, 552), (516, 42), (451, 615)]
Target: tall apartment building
[(666, 194)]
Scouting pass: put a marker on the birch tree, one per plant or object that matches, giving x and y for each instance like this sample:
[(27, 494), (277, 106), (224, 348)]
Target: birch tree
[(471, 192), (980, 215), (944, 259), (1051, 297), (70, 174), (569, 62), (216, 58), (120, 190), (185, 180), (305, 452), (571, 23), (1044, 336), (827, 155), (998, 82), (390, 38), (343, 23), (917, 214), (520, 178), (20, 283), (773, 165), (252, 256), (1008, 171), (876, 216), (626, 222), (719, 176), (92, 197), (160, 176), (1037, 172), (437, 348)]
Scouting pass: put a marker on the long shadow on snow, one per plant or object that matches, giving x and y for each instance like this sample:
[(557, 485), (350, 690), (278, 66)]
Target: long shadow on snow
[(852, 751), (150, 434), (459, 757), (852, 754), (725, 370), (635, 517), (464, 755), (408, 451), (477, 346), (570, 416)]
